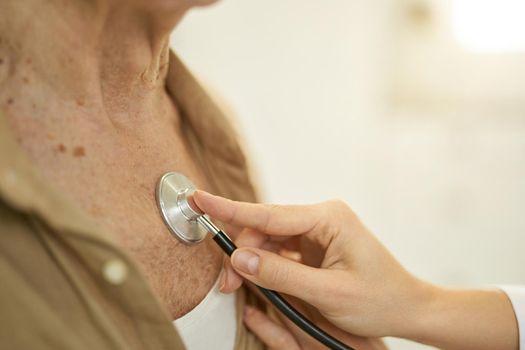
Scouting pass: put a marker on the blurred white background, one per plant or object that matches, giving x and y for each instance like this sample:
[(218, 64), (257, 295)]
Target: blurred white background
[(412, 111)]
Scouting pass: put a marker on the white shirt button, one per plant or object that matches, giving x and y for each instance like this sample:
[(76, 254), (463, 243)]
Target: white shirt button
[(115, 271)]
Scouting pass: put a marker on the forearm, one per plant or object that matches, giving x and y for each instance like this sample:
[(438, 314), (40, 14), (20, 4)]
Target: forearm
[(465, 319)]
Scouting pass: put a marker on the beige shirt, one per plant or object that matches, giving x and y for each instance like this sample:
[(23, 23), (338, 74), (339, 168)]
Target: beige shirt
[(63, 285)]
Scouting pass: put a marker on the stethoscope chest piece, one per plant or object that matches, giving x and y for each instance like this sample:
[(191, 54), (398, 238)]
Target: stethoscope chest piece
[(173, 191)]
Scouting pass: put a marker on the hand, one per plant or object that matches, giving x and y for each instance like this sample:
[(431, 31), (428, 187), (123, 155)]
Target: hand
[(323, 255), (341, 269)]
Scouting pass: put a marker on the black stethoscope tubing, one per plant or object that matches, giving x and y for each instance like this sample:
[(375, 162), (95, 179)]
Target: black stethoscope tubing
[(282, 305)]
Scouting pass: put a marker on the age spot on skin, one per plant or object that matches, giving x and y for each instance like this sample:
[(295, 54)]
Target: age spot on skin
[(1, 60), (10, 101), (62, 148), (79, 151), (80, 102)]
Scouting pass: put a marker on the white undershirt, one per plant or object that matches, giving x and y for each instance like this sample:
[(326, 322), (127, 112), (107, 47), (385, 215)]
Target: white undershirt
[(212, 324)]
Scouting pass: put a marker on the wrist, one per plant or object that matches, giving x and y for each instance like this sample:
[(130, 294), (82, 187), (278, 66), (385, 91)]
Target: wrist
[(432, 303), (413, 305), (420, 304)]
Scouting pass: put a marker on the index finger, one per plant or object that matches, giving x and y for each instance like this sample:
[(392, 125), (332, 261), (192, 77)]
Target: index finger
[(267, 218)]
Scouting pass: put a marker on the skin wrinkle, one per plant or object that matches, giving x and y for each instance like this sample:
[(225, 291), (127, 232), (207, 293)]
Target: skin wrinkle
[(95, 119)]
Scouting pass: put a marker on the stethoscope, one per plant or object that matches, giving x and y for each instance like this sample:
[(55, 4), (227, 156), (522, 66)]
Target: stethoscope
[(191, 227)]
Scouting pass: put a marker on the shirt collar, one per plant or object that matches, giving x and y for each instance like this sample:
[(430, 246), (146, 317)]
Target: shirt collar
[(216, 139), (215, 132)]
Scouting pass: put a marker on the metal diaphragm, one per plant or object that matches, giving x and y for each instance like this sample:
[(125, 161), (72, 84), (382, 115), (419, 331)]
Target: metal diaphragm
[(173, 191)]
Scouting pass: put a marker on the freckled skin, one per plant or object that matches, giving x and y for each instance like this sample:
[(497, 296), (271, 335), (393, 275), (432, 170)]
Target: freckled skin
[(101, 128), (115, 183), (79, 151)]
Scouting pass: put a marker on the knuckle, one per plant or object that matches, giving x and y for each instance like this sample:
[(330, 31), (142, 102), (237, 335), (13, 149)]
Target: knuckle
[(271, 210), (232, 215), (273, 207), (334, 208), (340, 210), (339, 205)]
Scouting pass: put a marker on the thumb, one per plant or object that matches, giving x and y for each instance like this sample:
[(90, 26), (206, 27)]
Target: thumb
[(272, 271)]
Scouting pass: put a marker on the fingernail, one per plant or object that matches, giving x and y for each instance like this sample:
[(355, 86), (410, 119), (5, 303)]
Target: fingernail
[(245, 261)]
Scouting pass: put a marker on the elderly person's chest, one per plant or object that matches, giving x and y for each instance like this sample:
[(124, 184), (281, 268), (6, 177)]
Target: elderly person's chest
[(111, 172)]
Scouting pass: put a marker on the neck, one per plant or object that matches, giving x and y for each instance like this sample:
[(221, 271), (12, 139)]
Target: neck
[(107, 55)]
